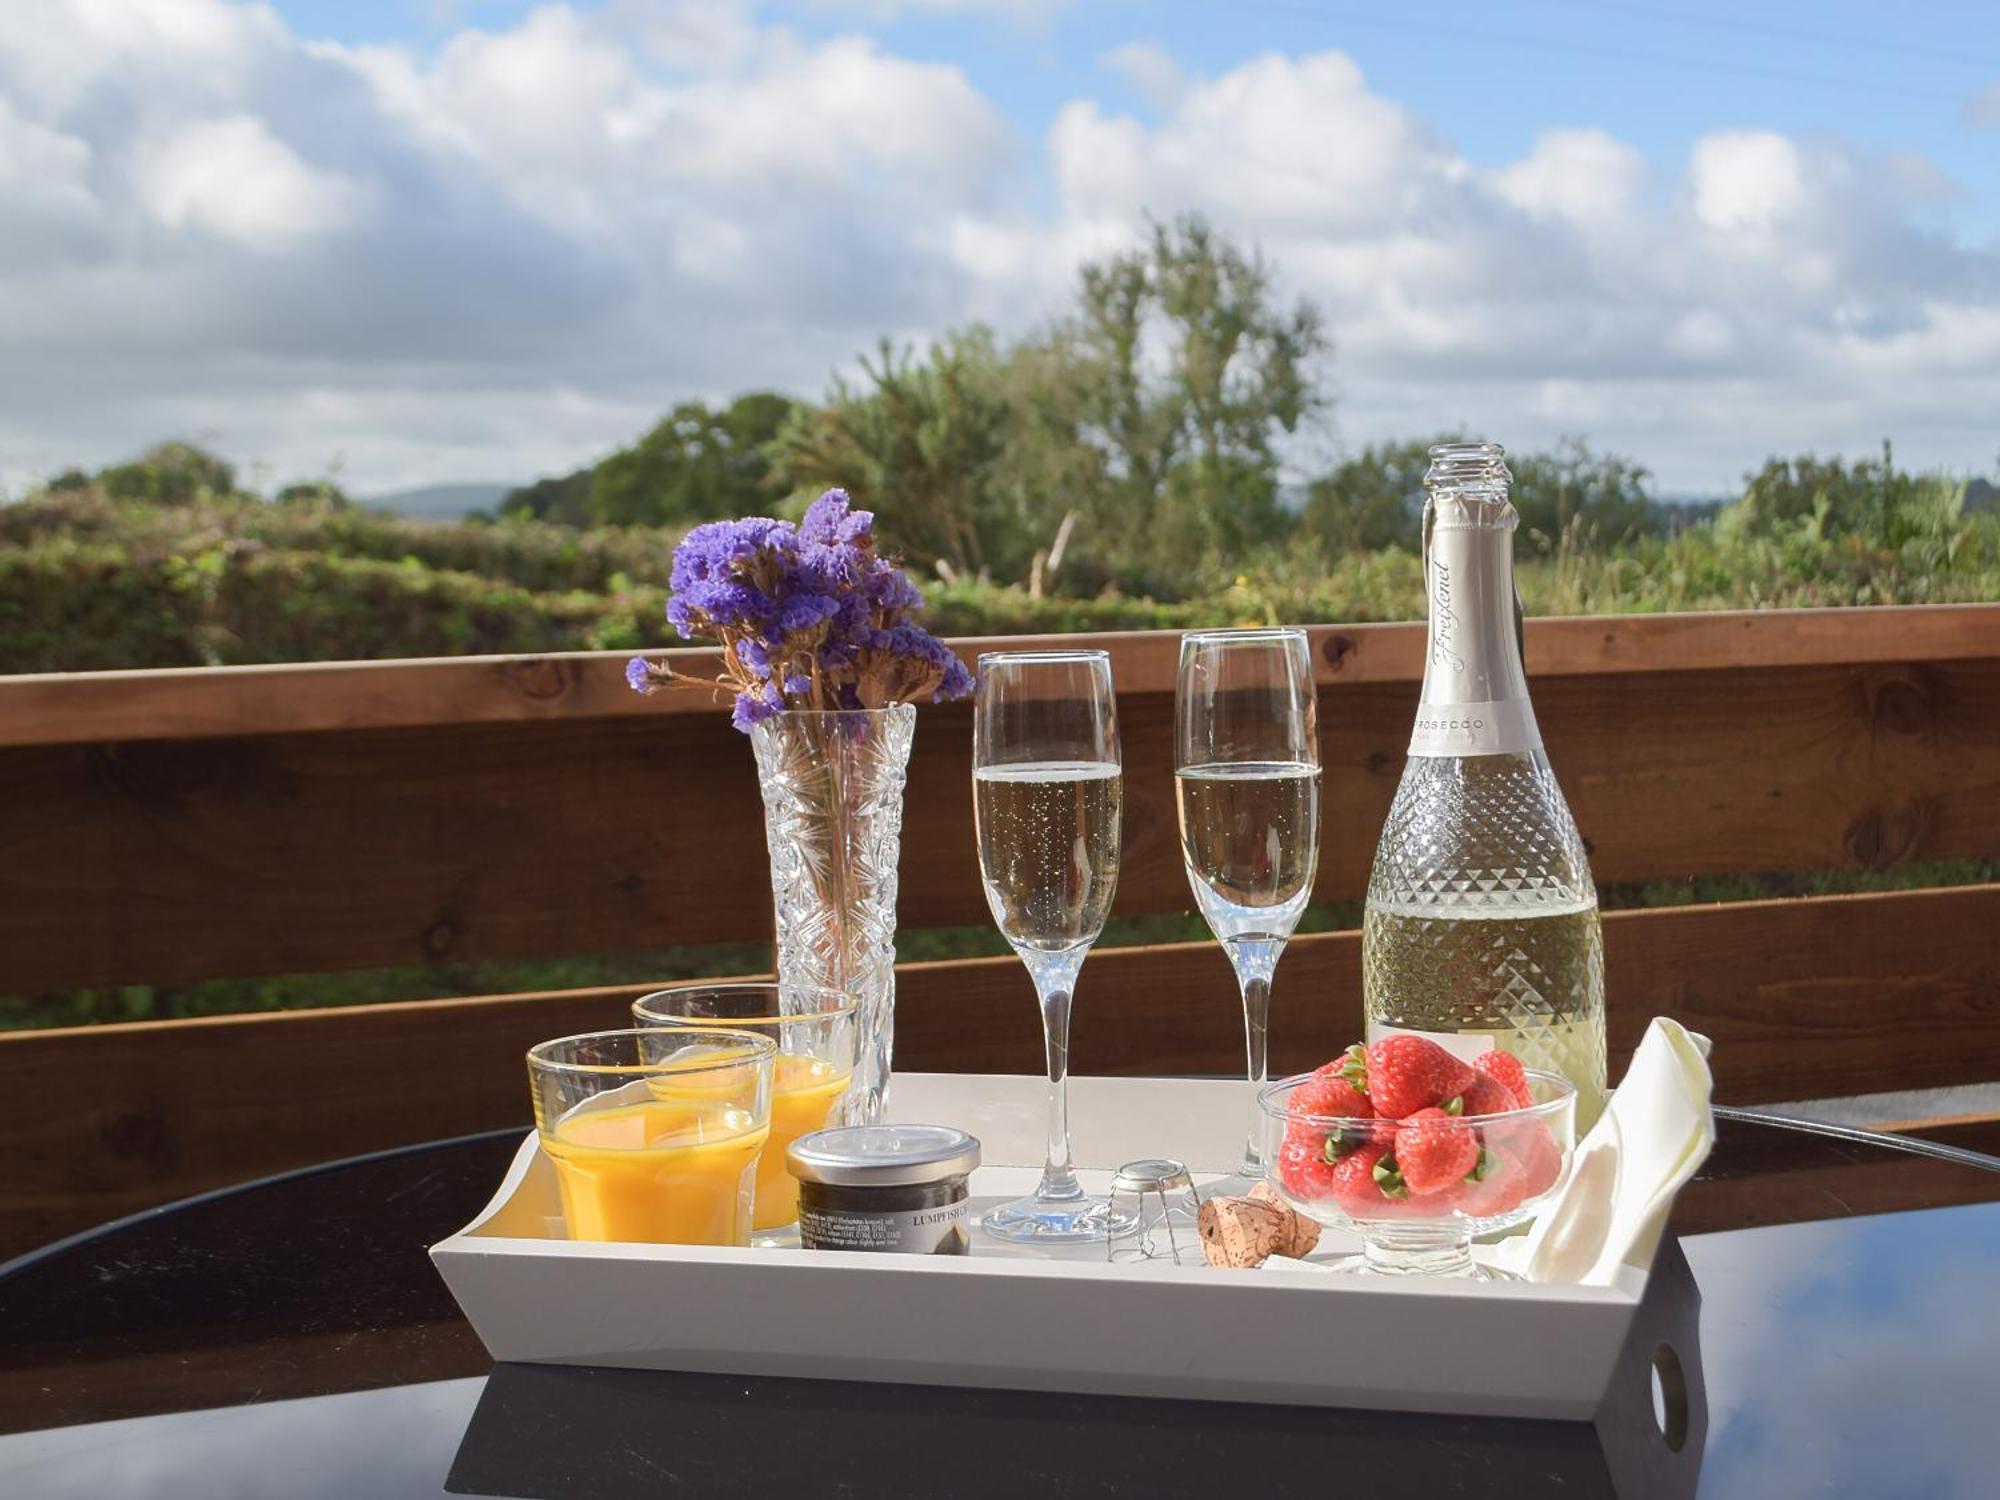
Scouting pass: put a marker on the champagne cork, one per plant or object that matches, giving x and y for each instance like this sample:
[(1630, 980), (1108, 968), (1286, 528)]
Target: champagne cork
[(1238, 1233), (1299, 1235), (1242, 1233)]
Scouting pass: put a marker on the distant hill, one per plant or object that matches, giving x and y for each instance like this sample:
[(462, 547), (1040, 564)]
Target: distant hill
[(442, 502)]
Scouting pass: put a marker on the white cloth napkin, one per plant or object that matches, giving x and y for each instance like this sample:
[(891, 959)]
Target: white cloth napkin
[(1654, 1134)]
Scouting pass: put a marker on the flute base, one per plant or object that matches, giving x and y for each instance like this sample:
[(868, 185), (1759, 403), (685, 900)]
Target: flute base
[(1057, 1221)]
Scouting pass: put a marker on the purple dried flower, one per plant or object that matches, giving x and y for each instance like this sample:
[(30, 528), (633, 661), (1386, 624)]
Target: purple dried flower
[(829, 522), (888, 587), (639, 676), (802, 612), (715, 551), (809, 616), (958, 682), (722, 603), (752, 708)]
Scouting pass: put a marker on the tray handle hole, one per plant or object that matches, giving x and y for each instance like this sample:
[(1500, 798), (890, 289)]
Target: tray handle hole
[(1670, 1397)]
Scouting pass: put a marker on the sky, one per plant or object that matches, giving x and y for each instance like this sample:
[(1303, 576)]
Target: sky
[(403, 242)]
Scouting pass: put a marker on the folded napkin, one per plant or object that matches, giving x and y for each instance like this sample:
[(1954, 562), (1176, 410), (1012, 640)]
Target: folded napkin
[(1654, 1134)]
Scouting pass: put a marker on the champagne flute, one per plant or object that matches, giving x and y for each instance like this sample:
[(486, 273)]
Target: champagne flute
[(1246, 777), (1046, 794)]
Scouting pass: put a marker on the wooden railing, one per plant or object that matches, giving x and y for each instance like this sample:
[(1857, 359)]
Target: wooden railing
[(162, 827)]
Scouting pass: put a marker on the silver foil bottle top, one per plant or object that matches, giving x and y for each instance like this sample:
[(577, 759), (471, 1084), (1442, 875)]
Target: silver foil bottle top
[(1475, 695)]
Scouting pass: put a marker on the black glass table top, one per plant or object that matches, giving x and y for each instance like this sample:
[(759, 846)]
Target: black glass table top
[(290, 1338)]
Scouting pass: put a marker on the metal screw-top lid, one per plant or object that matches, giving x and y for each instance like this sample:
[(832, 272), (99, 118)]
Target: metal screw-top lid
[(882, 1155)]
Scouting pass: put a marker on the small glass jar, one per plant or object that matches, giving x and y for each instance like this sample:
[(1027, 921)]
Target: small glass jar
[(897, 1188)]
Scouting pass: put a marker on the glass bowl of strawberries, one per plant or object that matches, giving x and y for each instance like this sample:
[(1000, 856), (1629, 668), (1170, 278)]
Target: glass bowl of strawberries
[(1419, 1151)]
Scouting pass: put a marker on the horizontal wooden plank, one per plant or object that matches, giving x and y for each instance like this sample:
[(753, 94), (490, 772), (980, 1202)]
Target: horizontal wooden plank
[(1810, 998), (216, 702), (170, 861)]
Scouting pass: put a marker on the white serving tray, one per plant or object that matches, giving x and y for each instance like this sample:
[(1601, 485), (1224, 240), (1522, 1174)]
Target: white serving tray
[(1017, 1318)]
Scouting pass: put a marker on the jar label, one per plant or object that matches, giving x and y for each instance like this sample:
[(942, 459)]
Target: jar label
[(916, 1231)]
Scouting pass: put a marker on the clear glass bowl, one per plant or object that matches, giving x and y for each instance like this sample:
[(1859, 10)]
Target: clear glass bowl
[(1344, 1172)]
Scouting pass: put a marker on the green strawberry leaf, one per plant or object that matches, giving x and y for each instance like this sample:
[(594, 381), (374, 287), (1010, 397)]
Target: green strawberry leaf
[(1388, 1178)]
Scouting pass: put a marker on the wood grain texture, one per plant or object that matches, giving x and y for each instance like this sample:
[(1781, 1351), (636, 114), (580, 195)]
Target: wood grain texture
[(1802, 998), (176, 860), (216, 702)]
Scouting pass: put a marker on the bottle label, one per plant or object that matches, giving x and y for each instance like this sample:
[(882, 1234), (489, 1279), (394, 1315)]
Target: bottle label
[(1475, 698), (1474, 728)]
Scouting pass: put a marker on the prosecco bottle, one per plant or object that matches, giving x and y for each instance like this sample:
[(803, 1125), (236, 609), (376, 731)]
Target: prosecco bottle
[(1481, 926)]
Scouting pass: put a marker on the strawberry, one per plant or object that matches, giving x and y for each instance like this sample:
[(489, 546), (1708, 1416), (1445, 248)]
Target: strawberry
[(1506, 1068), (1329, 1094), (1540, 1157), (1405, 1073), (1494, 1187), (1488, 1096), (1303, 1167), (1434, 1151), (1355, 1185), (1436, 1205)]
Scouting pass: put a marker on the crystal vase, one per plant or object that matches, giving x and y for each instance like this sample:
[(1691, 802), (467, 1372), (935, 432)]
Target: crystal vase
[(833, 817)]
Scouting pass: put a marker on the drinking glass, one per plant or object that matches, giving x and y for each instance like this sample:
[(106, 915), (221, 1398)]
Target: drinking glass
[(1246, 779), (654, 1132), (818, 1041), (1046, 795)]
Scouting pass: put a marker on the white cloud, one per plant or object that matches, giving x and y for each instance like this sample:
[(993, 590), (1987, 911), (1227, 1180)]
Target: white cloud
[(1150, 69), (1746, 180), (231, 177), (1584, 176), (1699, 320), (506, 257)]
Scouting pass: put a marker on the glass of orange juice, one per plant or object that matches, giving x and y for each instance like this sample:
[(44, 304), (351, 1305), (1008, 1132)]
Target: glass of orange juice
[(655, 1134), (817, 1037)]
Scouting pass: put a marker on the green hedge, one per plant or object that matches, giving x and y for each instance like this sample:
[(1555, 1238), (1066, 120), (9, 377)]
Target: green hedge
[(87, 583)]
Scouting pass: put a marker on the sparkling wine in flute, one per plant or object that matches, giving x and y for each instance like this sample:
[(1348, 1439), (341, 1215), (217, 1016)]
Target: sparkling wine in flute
[(1046, 799), (1250, 837), (1481, 927), (1048, 849)]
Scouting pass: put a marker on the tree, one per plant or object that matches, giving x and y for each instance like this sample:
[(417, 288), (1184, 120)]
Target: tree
[(1376, 498), (1870, 498), (1146, 423), (1192, 451), (698, 463), (919, 442), (173, 473), (1373, 500), (564, 501), (323, 493), (1594, 498)]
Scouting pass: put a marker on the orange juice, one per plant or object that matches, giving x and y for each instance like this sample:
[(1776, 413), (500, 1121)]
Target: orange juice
[(670, 1171), (804, 1091)]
